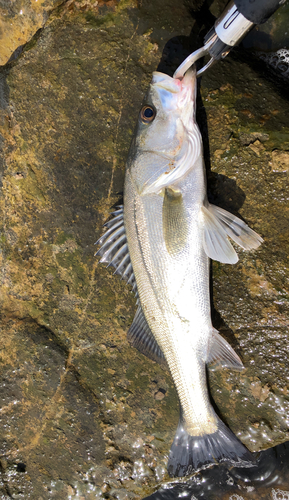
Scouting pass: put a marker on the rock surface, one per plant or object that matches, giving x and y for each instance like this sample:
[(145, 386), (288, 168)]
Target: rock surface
[(19, 21), (83, 414)]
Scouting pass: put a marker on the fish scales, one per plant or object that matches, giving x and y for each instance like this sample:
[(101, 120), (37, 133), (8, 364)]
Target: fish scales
[(175, 292), (171, 233)]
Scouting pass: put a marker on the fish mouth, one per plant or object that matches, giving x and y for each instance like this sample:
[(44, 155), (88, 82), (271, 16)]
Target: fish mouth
[(174, 85), (177, 94), (166, 82)]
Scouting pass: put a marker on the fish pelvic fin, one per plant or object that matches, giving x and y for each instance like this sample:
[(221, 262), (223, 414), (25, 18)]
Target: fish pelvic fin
[(190, 454), (221, 354), (218, 225)]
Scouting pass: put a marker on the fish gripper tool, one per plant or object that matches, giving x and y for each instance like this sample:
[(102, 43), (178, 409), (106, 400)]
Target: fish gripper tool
[(238, 18)]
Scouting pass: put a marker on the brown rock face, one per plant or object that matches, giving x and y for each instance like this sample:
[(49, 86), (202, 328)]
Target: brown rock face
[(83, 414), (19, 21)]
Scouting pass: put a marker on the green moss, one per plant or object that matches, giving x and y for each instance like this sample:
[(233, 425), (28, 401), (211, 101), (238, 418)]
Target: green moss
[(125, 4), (62, 237), (33, 310), (30, 188), (3, 239), (97, 21), (73, 263), (279, 139)]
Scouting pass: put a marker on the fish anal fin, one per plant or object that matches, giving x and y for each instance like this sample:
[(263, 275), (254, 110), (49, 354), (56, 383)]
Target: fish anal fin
[(221, 354), (141, 337), (175, 228)]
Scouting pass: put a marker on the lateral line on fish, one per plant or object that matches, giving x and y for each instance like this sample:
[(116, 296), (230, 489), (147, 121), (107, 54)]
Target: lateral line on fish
[(142, 257)]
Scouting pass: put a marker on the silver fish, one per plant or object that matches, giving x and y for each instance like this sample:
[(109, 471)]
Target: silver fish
[(161, 242)]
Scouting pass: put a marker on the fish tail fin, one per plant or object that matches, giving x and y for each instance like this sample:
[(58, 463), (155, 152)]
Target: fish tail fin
[(192, 453)]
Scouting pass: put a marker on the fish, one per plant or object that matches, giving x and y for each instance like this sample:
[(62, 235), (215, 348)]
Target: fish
[(161, 241)]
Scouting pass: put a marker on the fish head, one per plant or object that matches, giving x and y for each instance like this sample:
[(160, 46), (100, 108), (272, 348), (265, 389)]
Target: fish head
[(165, 144)]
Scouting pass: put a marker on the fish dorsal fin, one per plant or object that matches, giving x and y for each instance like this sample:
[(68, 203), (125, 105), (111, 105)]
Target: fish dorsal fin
[(221, 354), (114, 252), (175, 228), (141, 337), (114, 248), (218, 225)]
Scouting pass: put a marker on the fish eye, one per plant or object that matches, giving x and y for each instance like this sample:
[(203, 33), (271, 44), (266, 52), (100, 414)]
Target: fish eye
[(147, 114)]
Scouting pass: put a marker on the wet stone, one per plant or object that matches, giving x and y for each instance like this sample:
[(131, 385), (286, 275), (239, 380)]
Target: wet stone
[(19, 21), (83, 414)]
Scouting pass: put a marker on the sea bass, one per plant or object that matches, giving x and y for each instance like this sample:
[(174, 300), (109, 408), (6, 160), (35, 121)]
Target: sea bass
[(161, 241)]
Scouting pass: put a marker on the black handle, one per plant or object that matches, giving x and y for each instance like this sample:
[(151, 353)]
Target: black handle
[(258, 11)]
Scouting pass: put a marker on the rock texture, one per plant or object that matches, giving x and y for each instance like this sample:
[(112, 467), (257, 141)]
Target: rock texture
[(19, 21), (84, 415)]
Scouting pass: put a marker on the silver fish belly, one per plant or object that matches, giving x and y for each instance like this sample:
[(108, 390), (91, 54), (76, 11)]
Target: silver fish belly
[(161, 241)]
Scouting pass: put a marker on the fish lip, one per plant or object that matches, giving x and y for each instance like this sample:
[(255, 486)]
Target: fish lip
[(174, 85), (166, 82)]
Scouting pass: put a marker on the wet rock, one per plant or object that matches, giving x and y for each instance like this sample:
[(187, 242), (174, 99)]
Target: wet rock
[(83, 413), (19, 21), (252, 297), (280, 161), (49, 430)]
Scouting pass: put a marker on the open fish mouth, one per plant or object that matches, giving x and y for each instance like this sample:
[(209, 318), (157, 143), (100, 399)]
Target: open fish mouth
[(182, 91), (174, 85)]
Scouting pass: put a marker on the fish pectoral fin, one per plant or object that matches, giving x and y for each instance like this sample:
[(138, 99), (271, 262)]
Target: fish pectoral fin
[(237, 229), (215, 240), (140, 336), (222, 354), (218, 225), (175, 227)]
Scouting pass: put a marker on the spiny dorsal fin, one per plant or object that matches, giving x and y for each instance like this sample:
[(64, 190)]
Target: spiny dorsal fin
[(222, 354), (114, 248), (175, 228), (218, 225), (114, 251), (141, 337)]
